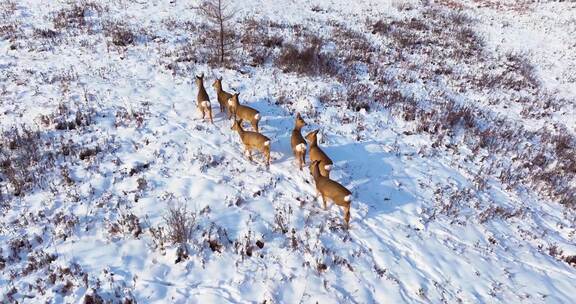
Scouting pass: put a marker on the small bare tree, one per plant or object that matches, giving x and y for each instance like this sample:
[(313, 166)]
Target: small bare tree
[(218, 13)]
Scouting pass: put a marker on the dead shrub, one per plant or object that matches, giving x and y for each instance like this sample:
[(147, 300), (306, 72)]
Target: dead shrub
[(358, 97), (76, 16), (282, 219), (412, 24), (470, 39), (404, 38), (352, 45), (45, 33), (7, 9), (381, 27), (459, 18), (10, 31), (389, 97), (571, 260), (180, 224), (258, 41), (127, 224), (216, 238), (456, 114), (120, 33), (308, 60), (402, 5), (24, 159), (498, 212), (521, 64)]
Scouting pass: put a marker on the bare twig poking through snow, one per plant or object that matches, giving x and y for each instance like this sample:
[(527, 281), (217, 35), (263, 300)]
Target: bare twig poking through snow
[(218, 13)]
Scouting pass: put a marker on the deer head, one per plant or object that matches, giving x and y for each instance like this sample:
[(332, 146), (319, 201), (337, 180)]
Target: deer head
[(299, 121)]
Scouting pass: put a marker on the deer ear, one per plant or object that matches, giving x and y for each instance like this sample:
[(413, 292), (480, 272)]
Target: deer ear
[(220, 78)]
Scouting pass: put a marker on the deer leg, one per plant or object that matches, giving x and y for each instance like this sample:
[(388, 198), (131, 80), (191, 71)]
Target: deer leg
[(324, 201), (210, 115), (347, 215), (254, 124)]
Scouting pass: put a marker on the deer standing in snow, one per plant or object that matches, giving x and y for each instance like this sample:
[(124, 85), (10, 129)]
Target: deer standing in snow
[(223, 97), (331, 190), (242, 113), (297, 141), (202, 99), (253, 141), (316, 154)]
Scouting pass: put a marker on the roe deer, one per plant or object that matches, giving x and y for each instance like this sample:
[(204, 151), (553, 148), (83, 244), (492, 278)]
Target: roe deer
[(297, 141), (202, 99), (331, 190), (253, 141), (242, 113), (223, 97), (317, 154)]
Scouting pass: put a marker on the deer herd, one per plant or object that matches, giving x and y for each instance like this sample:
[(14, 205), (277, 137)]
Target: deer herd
[(320, 163)]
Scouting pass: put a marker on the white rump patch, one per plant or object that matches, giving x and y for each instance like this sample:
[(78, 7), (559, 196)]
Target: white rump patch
[(267, 143), (257, 116), (328, 167), (206, 103), (301, 147), (347, 198)]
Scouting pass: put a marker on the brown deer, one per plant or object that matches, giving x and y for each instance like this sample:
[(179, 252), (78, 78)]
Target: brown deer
[(253, 141), (297, 141), (331, 190), (325, 163), (223, 97), (202, 99), (242, 113)]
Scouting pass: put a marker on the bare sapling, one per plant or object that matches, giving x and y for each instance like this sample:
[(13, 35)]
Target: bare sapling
[(218, 13)]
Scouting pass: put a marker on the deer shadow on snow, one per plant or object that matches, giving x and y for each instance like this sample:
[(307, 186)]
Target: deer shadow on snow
[(370, 176), (277, 124), (362, 167)]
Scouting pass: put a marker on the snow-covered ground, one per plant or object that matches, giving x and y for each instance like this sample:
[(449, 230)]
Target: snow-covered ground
[(117, 142)]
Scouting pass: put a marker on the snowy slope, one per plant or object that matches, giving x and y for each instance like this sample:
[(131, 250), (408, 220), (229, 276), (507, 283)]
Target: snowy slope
[(424, 227)]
